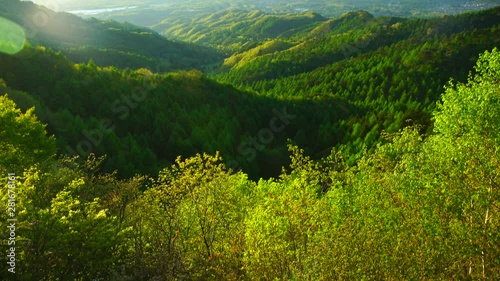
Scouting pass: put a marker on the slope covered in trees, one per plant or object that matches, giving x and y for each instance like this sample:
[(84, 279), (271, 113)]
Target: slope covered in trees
[(351, 148), (360, 77), (357, 33), (421, 206), (235, 30), (105, 42), (150, 119), (392, 69)]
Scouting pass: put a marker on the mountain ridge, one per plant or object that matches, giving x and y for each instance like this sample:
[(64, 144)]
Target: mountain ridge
[(75, 36)]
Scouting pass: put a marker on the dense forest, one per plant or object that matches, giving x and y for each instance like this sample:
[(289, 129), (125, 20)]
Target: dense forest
[(344, 81), (264, 146)]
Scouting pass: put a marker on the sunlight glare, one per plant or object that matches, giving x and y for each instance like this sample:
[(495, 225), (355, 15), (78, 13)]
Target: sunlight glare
[(12, 37)]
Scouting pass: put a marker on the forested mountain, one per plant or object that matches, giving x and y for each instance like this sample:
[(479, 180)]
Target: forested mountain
[(106, 42), (392, 69), (419, 207), (187, 113), (344, 81), (271, 146), (316, 41), (218, 29)]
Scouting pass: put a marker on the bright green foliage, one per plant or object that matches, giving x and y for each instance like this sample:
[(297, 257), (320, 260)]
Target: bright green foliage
[(417, 208), (472, 108), (190, 223), (65, 229), (425, 208), (280, 228), (468, 146), (23, 140)]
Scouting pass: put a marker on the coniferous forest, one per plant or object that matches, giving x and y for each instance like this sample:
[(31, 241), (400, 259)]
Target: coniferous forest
[(247, 140)]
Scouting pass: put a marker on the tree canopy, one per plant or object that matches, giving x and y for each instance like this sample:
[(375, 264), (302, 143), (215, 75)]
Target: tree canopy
[(420, 206)]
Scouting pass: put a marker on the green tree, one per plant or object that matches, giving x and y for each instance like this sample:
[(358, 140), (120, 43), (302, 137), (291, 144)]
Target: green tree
[(190, 223), (466, 149), (65, 229), (23, 139)]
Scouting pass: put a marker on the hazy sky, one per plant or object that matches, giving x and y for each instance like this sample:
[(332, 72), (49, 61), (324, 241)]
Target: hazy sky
[(64, 5), (69, 5)]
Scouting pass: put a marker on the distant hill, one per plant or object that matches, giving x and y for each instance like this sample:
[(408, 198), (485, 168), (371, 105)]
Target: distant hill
[(233, 30), (152, 12), (392, 68), (106, 42), (355, 33)]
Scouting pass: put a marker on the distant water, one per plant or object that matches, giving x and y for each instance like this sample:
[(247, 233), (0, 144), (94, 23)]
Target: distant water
[(100, 11)]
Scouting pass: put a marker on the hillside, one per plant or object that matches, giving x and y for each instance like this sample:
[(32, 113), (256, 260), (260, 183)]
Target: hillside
[(392, 69), (418, 207), (358, 33), (347, 80), (189, 114), (250, 27), (106, 42), (360, 147)]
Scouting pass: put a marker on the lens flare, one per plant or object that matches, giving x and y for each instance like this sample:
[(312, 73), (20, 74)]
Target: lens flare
[(12, 37)]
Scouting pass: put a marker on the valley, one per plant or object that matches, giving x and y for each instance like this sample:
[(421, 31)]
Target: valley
[(251, 140)]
